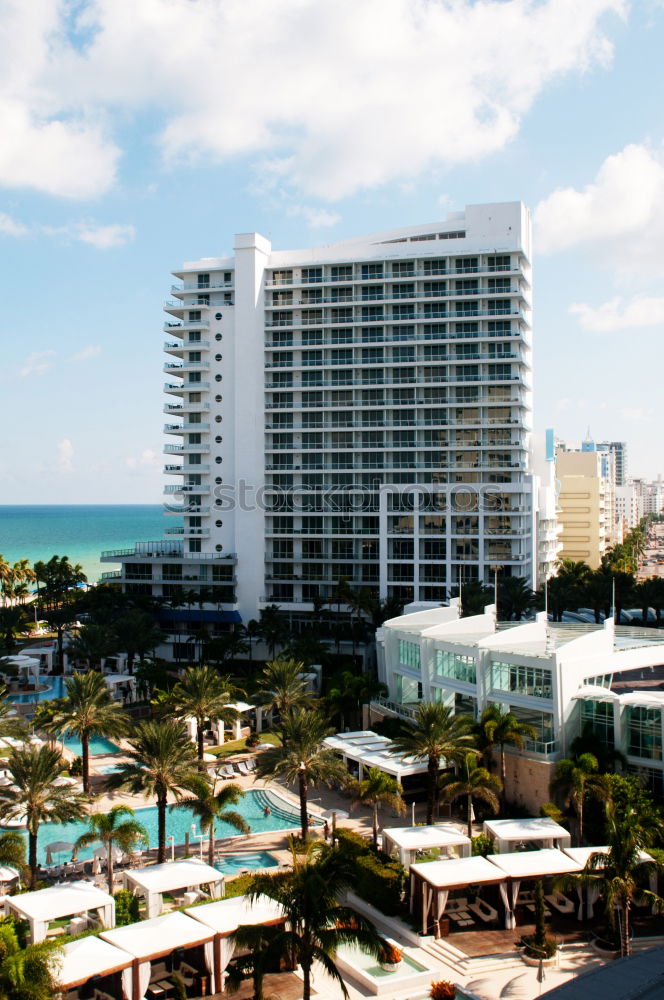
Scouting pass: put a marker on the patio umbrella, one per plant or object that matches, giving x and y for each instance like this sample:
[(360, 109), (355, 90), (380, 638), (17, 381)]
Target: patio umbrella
[(57, 847), (7, 873), (96, 866), (101, 853), (4, 782), (63, 780)]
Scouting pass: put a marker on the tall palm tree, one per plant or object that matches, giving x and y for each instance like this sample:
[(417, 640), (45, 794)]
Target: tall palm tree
[(89, 710), (435, 734), (619, 874), (92, 644), (12, 850), (27, 973), (515, 597), (11, 724), (577, 779), (13, 619), (162, 762), (498, 728), (204, 696), (112, 828), (282, 688), (34, 795), (303, 759), (273, 628), (317, 924), (472, 783), (378, 789), (213, 807), (137, 635)]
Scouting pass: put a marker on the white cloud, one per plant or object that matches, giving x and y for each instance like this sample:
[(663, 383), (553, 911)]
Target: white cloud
[(334, 97), (106, 237), (10, 227), (617, 314), (316, 218), (90, 351), (625, 199), (37, 363), (639, 414), (148, 459), (65, 459)]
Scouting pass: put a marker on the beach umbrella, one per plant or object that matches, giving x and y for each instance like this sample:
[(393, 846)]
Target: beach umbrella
[(57, 847), (63, 780), (102, 853)]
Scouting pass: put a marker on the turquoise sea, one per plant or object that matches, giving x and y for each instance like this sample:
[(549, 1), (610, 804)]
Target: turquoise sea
[(78, 531)]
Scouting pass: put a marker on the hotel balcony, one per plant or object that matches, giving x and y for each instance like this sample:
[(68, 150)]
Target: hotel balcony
[(175, 329), (187, 532), (184, 449), (184, 428), (182, 387), (181, 511), (178, 346), (179, 409), (176, 368), (198, 488)]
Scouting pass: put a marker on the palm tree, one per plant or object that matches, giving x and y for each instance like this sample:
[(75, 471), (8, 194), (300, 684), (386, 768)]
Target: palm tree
[(13, 619), (89, 710), (472, 783), (498, 728), (317, 924), (213, 807), (12, 850), (515, 597), (576, 779), (111, 829), (273, 628), (11, 724), (378, 789), (59, 619), (303, 759), (27, 973), (34, 795), (162, 762), (137, 635), (435, 734), (282, 688), (92, 644), (205, 696), (619, 874)]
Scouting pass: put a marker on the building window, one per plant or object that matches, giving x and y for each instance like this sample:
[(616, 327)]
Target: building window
[(644, 732), (456, 666), (532, 681), (597, 717), (542, 723), (409, 654)]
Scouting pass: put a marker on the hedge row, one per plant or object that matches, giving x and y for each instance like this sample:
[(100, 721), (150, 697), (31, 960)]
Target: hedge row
[(380, 880)]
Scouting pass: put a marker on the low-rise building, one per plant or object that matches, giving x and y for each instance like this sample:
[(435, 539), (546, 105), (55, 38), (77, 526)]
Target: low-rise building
[(558, 678)]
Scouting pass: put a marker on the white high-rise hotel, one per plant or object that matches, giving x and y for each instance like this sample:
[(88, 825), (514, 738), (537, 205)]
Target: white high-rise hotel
[(357, 410)]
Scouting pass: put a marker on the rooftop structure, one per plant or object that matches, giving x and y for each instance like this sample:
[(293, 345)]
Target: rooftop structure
[(367, 749)]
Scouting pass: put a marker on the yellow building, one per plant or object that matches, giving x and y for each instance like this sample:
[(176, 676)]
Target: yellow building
[(583, 506)]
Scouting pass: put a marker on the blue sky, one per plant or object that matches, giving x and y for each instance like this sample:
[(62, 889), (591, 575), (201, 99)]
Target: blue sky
[(139, 135)]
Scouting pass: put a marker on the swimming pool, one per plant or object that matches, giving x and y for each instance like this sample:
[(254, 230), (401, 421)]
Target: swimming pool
[(99, 745), (179, 822), (55, 689), (233, 864)]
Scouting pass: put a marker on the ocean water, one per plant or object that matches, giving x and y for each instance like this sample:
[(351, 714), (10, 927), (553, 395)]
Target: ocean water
[(78, 531)]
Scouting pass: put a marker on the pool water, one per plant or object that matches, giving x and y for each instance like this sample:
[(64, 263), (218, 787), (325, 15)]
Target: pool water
[(233, 864), (179, 821), (99, 745), (55, 689)]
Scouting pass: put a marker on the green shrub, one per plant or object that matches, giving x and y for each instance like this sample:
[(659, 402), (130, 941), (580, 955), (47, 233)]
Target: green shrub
[(126, 908), (380, 880), (482, 845)]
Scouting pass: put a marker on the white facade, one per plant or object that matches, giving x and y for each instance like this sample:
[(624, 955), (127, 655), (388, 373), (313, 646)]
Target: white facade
[(554, 677), (358, 410)]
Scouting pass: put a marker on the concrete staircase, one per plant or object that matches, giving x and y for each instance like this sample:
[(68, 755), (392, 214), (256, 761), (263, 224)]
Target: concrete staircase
[(468, 965)]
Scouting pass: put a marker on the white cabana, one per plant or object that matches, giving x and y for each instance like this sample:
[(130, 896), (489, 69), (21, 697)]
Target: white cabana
[(69, 899), (153, 881), (408, 840), (581, 856), (224, 918), (80, 960), (368, 749), (432, 882), (539, 829), (524, 865), (120, 682), (149, 940)]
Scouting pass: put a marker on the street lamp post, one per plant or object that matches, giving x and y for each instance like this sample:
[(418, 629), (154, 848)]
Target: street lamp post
[(496, 569)]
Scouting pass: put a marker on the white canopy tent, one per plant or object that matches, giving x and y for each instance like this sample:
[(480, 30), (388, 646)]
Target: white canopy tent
[(80, 960), (224, 918), (123, 681), (152, 939), (368, 749), (529, 865), (153, 881), (581, 856), (408, 840), (539, 829), (432, 882), (65, 900)]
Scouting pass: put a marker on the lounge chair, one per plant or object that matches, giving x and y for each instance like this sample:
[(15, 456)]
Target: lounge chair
[(242, 768), (251, 764), (486, 913), (561, 903)]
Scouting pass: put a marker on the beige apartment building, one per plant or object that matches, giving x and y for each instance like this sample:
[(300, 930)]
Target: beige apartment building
[(583, 506)]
